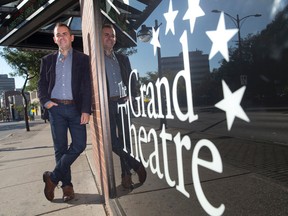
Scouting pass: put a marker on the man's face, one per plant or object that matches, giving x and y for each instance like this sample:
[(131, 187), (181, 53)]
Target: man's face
[(108, 38), (63, 38)]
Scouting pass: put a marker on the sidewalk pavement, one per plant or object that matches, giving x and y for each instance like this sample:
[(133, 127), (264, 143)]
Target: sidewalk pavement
[(24, 156)]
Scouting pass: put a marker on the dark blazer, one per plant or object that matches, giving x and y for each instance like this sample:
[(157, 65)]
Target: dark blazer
[(125, 68), (81, 83)]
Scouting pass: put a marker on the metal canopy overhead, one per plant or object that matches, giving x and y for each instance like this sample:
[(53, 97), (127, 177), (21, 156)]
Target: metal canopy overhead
[(30, 23)]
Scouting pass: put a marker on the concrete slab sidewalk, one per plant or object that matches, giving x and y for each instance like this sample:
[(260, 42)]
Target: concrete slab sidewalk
[(24, 156)]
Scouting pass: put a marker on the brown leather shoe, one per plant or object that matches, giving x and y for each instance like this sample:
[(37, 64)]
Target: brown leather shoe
[(127, 182), (68, 193), (49, 186), (142, 174)]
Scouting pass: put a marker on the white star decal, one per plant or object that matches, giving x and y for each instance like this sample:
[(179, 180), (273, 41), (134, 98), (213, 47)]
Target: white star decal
[(220, 38), (155, 39), (194, 11), (126, 2), (170, 17), (231, 104)]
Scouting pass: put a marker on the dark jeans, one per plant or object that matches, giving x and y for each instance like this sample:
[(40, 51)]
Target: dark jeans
[(127, 162), (62, 118)]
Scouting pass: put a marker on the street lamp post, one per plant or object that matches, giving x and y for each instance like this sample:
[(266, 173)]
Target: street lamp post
[(145, 35), (238, 22)]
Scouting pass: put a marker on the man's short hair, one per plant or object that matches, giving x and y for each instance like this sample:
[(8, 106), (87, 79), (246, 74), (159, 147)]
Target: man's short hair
[(107, 25), (60, 24)]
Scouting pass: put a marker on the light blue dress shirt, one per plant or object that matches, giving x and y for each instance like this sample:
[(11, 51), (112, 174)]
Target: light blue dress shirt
[(113, 75), (63, 82)]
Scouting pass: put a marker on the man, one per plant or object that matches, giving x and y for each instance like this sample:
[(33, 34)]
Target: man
[(118, 69), (64, 89)]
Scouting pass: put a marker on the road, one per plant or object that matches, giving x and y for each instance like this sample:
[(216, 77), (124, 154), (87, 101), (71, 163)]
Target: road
[(259, 146), (267, 127)]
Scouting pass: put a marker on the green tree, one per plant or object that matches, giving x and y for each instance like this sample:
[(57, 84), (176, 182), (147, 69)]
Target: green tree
[(272, 59), (151, 76), (26, 63), (264, 60)]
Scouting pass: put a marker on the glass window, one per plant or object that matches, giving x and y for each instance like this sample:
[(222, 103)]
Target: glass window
[(209, 122)]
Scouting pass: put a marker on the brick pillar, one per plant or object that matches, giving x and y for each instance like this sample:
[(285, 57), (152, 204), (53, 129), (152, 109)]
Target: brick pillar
[(100, 127)]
